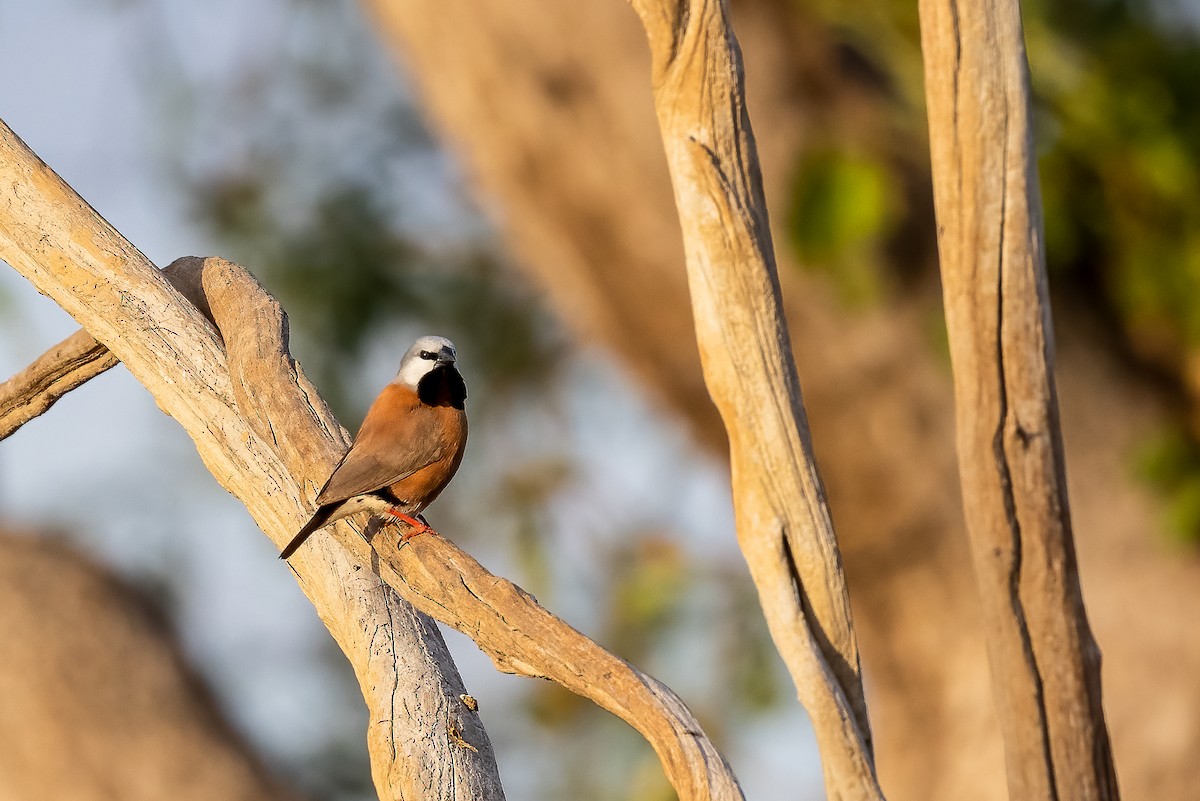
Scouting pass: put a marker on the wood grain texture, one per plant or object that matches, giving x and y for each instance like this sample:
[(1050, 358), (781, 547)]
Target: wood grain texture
[(434, 575), (1045, 663), (67, 365), (521, 637), (31, 392), (407, 674), (257, 421), (783, 521), (51, 236)]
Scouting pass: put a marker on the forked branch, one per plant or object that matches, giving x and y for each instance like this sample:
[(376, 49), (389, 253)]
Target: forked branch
[(436, 576), (263, 431), (410, 684), (70, 364)]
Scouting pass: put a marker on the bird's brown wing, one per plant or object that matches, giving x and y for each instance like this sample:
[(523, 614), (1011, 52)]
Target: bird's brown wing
[(399, 436)]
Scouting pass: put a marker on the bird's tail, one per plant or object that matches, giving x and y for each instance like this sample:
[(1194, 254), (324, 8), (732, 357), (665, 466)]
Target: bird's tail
[(319, 519)]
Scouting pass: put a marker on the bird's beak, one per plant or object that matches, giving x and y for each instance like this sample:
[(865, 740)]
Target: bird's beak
[(444, 359)]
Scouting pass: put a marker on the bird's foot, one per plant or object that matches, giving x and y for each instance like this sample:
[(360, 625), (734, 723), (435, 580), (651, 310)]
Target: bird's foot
[(416, 526)]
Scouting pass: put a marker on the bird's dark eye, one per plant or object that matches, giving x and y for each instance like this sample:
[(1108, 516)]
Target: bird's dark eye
[(427, 355)]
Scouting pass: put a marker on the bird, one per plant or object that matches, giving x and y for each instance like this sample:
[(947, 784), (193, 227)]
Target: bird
[(408, 448)]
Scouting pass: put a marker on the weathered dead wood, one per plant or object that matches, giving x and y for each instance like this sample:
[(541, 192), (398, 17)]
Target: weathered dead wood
[(522, 637), (69, 364), (783, 522), (1045, 663), (411, 687), (59, 370), (439, 579), (263, 418)]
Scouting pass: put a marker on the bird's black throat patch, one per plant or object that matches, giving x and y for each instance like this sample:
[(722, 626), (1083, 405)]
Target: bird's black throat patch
[(388, 496), (443, 386)]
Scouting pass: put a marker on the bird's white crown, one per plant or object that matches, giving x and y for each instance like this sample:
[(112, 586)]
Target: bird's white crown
[(426, 353)]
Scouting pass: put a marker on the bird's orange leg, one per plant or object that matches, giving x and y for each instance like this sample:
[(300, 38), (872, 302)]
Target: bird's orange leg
[(416, 527)]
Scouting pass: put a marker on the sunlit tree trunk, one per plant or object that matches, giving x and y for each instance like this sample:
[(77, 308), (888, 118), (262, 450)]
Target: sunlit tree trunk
[(1045, 663), (561, 143)]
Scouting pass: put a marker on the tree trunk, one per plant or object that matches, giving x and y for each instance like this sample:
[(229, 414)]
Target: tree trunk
[(1045, 663), (548, 108), (783, 522)]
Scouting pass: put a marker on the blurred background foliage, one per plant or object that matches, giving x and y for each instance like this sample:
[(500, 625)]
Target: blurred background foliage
[(1117, 110), (312, 187)]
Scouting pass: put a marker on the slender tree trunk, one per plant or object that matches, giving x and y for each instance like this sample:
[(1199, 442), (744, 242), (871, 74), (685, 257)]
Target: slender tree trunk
[(783, 521), (1045, 664)]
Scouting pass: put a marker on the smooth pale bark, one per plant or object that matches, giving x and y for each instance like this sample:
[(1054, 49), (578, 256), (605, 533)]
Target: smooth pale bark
[(783, 522), (1045, 663), (259, 423)]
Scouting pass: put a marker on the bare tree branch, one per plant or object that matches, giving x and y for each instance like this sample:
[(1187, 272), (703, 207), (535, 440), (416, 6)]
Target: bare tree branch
[(69, 364), (434, 575), (59, 370), (410, 684), (261, 422), (1045, 664), (783, 522), (522, 637)]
